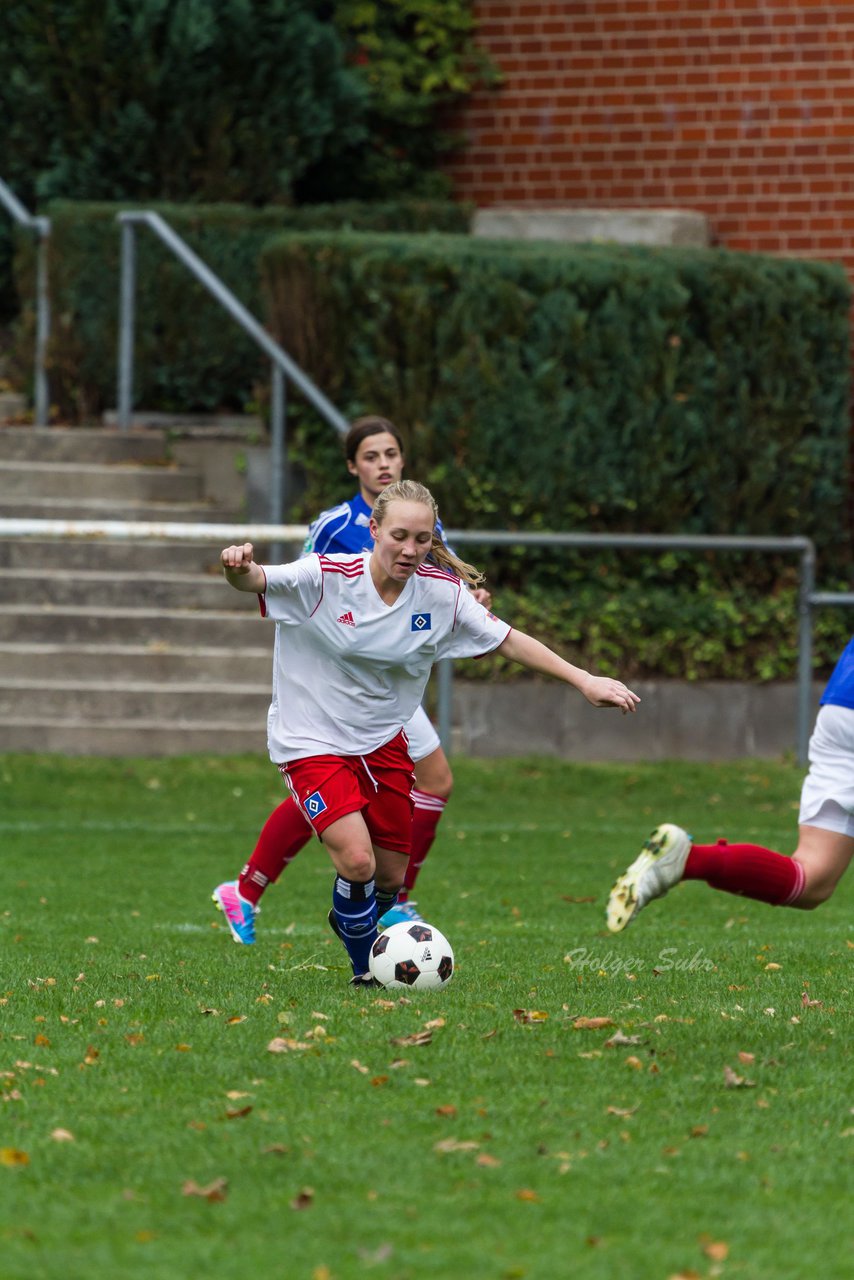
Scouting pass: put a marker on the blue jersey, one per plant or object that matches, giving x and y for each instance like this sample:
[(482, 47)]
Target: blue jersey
[(345, 529), (840, 687)]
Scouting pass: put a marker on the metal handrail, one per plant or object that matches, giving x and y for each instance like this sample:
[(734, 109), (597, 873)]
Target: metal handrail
[(41, 227), (808, 597), (282, 364)]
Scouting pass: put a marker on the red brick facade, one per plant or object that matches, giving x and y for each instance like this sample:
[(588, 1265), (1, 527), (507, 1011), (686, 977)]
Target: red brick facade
[(742, 110)]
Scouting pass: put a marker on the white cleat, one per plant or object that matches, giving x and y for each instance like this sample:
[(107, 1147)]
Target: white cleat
[(658, 867)]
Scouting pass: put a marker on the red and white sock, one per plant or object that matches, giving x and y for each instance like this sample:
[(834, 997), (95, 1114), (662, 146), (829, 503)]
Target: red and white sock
[(283, 835), (425, 819), (748, 870)]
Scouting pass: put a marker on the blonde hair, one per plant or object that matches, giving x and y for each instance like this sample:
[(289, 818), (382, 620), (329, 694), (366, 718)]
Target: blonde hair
[(412, 491)]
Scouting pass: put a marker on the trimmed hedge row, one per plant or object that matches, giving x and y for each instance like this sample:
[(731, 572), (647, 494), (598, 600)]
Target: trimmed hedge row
[(587, 388), (188, 355)]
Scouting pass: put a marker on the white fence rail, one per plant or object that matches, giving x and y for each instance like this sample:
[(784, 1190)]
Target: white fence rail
[(277, 534)]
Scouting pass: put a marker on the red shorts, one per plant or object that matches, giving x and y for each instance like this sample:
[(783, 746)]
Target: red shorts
[(378, 784)]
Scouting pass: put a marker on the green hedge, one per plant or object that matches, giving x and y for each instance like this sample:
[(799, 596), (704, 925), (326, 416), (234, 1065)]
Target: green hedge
[(586, 388), (189, 354)]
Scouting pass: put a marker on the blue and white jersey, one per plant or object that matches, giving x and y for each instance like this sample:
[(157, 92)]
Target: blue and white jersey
[(344, 530), (839, 691)]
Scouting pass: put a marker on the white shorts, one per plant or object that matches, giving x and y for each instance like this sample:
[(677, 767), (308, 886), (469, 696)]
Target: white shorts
[(423, 738), (827, 796)]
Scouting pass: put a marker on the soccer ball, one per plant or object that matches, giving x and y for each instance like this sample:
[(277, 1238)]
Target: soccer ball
[(412, 955)]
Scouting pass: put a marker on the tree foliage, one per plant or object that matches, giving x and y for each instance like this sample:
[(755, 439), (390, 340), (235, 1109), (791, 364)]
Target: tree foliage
[(176, 99)]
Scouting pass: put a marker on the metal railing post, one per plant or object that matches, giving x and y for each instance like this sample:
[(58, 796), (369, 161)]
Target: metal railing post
[(278, 412), (127, 301), (41, 391), (444, 702), (806, 587), (41, 226)]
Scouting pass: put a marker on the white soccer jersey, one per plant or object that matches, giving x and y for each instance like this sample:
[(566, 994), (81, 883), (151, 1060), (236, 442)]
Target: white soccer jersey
[(349, 670)]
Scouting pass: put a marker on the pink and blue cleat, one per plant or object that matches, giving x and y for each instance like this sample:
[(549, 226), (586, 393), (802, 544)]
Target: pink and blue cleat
[(238, 911)]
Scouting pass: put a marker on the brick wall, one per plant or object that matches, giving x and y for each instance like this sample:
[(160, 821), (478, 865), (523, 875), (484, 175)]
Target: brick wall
[(739, 109)]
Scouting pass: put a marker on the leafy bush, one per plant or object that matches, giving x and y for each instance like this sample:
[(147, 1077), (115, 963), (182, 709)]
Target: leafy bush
[(585, 388), (188, 356)]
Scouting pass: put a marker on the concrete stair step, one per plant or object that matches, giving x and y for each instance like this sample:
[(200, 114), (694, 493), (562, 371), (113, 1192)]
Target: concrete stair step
[(170, 702), (74, 737), (180, 627), (155, 663), (88, 480), (68, 555), (81, 444), (23, 508), (110, 589)]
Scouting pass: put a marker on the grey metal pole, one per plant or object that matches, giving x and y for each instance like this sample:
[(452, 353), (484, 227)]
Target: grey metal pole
[(127, 293), (444, 702), (278, 410), (41, 390), (805, 593)]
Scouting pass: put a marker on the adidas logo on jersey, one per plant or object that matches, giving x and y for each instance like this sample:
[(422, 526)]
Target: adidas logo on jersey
[(347, 619)]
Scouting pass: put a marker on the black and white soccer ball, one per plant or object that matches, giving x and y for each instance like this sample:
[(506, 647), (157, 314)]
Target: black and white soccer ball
[(412, 954)]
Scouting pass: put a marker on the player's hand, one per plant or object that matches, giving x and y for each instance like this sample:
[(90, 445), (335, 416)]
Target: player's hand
[(482, 596), (238, 559), (602, 691)]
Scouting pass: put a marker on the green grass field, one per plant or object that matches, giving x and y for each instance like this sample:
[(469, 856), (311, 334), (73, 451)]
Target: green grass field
[(147, 1130)]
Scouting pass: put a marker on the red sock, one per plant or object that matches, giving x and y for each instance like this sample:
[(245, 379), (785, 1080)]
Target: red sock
[(425, 819), (283, 835), (748, 870)]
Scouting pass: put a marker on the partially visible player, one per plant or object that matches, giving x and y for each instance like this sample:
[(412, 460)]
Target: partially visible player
[(356, 640), (825, 841), (373, 448)]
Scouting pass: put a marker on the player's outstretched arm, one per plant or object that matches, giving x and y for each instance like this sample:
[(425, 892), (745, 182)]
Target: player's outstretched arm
[(240, 569), (602, 691)]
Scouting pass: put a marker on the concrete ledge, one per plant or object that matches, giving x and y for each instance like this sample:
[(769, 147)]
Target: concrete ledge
[(578, 226), (717, 720)]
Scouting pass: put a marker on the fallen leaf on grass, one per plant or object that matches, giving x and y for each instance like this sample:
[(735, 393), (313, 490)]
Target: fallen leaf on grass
[(634, 1063), (304, 1199), (621, 1111), (381, 1254), (487, 1161), (216, 1190), (454, 1144), (448, 1111), (11, 1156), (569, 898), (747, 1058), (530, 1015), (805, 1001), (526, 1193), (354, 1062), (280, 1045), (237, 1112), (717, 1250), (618, 1038), (592, 1024), (232, 1022), (417, 1038), (734, 1081), (62, 1135)]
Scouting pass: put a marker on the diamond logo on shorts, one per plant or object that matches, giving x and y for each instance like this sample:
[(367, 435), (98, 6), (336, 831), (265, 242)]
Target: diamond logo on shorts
[(421, 622), (315, 805)]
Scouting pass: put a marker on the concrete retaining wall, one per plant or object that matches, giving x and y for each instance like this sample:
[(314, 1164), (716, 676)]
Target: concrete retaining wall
[(704, 721)]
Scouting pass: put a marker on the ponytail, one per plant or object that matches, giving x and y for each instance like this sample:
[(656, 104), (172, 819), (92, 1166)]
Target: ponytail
[(412, 491)]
